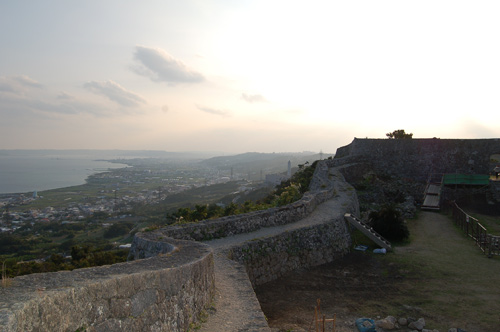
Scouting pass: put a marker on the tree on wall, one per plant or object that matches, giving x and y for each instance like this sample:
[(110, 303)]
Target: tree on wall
[(399, 134)]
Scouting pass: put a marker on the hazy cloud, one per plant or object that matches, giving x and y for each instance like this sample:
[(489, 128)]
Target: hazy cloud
[(213, 111), (164, 108), (253, 98), (65, 96), (26, 81), (160, 66), (20, 106), (115, 92), (22, 97), (17, 84)]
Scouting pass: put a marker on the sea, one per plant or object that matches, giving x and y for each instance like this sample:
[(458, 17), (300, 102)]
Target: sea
[(23, 171)]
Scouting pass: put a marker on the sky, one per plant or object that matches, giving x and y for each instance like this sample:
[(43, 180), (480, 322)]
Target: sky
[(240, 76)]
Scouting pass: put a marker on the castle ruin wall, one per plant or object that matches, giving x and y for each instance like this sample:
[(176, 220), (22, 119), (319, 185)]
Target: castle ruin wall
[(166, 292), (418, 158)]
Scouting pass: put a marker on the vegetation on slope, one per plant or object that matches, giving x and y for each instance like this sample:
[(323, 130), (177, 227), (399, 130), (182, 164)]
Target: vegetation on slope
[(287, 192)]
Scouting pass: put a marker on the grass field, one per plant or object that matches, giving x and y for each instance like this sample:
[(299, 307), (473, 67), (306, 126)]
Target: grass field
[(448, 276), (439, 275)]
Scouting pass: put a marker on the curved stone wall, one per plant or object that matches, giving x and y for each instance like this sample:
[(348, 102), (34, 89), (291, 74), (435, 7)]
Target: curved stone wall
[(270, 258), (321, 190), (162, 293)]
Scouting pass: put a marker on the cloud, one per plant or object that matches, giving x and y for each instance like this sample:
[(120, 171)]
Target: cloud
[(160, 66), (18, 84), (115, 92), (26, 81), (65, 96), (20, 106), (23, 98), (164, 108), (213, 111), (16, 110), (253, 98)]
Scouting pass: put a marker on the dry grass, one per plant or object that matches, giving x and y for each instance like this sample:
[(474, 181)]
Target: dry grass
[(491, 223), (451, 279), (6, 281)]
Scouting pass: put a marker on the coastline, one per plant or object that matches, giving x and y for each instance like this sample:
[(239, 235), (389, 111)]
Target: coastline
[(49, 177)]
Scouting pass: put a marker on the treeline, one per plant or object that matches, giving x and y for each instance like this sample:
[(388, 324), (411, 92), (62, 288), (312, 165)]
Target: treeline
[(31, 241), (46, 247), (287, 192), (81, 256)]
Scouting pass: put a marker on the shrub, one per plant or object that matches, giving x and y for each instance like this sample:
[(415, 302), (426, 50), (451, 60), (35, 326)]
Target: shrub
[(399, 134), (117, 229), (389, 223)]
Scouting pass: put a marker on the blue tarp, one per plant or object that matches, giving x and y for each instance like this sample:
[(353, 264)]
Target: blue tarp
[(365, 325)]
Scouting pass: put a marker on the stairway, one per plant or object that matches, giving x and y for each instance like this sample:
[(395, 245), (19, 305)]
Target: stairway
[(432, 194), (368, 231)]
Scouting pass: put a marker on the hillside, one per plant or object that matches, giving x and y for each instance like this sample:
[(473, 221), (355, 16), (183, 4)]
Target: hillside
[(253, 163)]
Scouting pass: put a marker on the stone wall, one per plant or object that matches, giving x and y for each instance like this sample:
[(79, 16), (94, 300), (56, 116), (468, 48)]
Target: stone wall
[(271, 258), (321, 191), (150, 244), (267, 259), (417, 158), (162, 293), (248, 222)]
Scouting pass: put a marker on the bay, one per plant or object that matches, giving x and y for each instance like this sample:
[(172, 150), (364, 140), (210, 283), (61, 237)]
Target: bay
[(24, 171)]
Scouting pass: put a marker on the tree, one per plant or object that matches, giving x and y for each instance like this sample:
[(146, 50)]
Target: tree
[(79, 253), (199, 213), (57, 259), (399, 134), (389, 223), (231, 209), (10, 243), (214, 211), (117, 229), (182, 215)]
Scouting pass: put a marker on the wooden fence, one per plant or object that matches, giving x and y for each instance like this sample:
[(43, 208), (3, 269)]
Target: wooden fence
[(489, 244)]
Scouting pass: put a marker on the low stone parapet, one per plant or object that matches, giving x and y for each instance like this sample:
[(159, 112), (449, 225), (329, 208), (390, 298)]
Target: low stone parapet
[(163, 293)]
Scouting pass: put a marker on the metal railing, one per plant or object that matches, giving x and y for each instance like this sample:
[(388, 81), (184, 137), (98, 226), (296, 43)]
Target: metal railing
[(489, 244)]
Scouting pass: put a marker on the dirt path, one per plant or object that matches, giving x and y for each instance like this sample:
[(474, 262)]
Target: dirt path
[(441, 276), (236, 307)]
